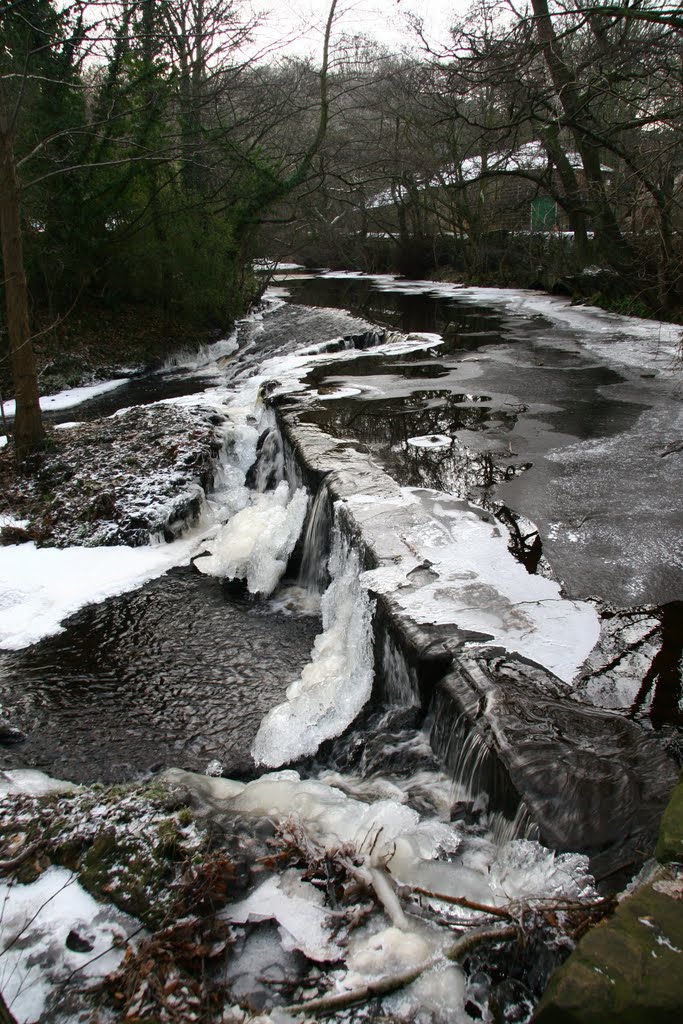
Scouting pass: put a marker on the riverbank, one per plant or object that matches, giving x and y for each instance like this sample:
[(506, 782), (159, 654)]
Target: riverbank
[(115, 480), (94, 341)]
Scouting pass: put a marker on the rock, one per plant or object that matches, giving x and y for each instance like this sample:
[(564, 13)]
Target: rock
[(500, 723), (77, 943), (628, 969), (670, 843)]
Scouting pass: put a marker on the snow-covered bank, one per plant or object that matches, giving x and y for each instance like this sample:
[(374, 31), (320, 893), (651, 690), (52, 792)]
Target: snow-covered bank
[(70, 398), (53, 933)]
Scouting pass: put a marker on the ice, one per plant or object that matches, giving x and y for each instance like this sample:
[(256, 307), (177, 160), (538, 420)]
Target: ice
[(523, 870), (337, 681), (431, 441), (69, 398), (36, 920), (256, 543), (629, 341), (32, 783), (298, 908)]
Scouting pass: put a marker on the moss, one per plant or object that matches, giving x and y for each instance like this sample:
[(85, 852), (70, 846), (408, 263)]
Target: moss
[(628, 969), (125, 874), (670, 842)]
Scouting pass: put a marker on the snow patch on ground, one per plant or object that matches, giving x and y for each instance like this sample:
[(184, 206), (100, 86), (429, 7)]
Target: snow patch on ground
[(36, 921)]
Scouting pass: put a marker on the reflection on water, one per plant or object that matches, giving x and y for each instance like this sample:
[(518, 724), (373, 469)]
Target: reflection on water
[(463, 327), (176, 673)]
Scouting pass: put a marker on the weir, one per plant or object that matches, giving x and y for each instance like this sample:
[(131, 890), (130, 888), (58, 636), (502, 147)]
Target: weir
[(507, 730)]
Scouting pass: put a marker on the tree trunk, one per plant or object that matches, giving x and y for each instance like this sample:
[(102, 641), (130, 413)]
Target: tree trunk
[(28, 425), (5, 1016)]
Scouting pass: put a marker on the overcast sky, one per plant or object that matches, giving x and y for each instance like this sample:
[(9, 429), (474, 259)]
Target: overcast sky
[(302, 21)]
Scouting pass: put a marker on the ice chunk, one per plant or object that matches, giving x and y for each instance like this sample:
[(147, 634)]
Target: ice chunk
[(256, 543), (297, 906), (32, 783), (336, 683)]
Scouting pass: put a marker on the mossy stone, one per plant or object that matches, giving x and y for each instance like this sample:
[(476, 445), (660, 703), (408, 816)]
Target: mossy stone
[(670, 842), (628, 969)]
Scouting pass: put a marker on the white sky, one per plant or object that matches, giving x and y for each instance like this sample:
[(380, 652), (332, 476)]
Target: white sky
[(302, 22)]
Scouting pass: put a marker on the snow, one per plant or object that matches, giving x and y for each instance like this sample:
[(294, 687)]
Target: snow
[(475, 583), (69, 398), (3, 440), (10, 521), (337, 681), (40, 587), (36, 921)]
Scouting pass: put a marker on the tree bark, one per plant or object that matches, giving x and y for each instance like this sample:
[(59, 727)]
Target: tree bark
[(28, 426), (5, 1016)]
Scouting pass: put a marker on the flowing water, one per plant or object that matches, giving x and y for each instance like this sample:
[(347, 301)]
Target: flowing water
[(186, 672)]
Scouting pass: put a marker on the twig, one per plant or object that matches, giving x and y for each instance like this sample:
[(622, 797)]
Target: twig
[(460, 901), (392, 982), (15, 862)]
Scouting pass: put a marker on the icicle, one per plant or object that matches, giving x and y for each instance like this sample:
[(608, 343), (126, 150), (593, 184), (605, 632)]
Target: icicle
[(337, 682)]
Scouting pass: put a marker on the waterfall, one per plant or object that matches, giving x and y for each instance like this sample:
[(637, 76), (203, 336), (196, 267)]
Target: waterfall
[(398, 681), (314, 576), (337, 682)]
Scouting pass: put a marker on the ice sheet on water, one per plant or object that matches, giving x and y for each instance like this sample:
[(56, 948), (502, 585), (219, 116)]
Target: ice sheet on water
[(476, 582), (298, 907), (256, 543), (32, 783), (337, 681), (40, 587)]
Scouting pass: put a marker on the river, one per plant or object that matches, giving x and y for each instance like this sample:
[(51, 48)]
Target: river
[(528, 425)]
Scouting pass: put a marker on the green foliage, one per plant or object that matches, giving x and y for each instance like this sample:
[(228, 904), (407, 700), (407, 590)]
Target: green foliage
[(132, 193)]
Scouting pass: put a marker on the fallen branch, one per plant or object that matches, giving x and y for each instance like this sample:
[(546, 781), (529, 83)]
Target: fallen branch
[(391, 982), (461, 901)]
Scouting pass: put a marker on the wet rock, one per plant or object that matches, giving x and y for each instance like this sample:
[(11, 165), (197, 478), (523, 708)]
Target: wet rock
[(77, 943), (627, 969), (609, 781)]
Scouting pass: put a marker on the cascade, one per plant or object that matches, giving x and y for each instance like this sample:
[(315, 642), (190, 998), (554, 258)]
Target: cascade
[(398, 680), (269, 468), (314, 575), (337, 682)]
